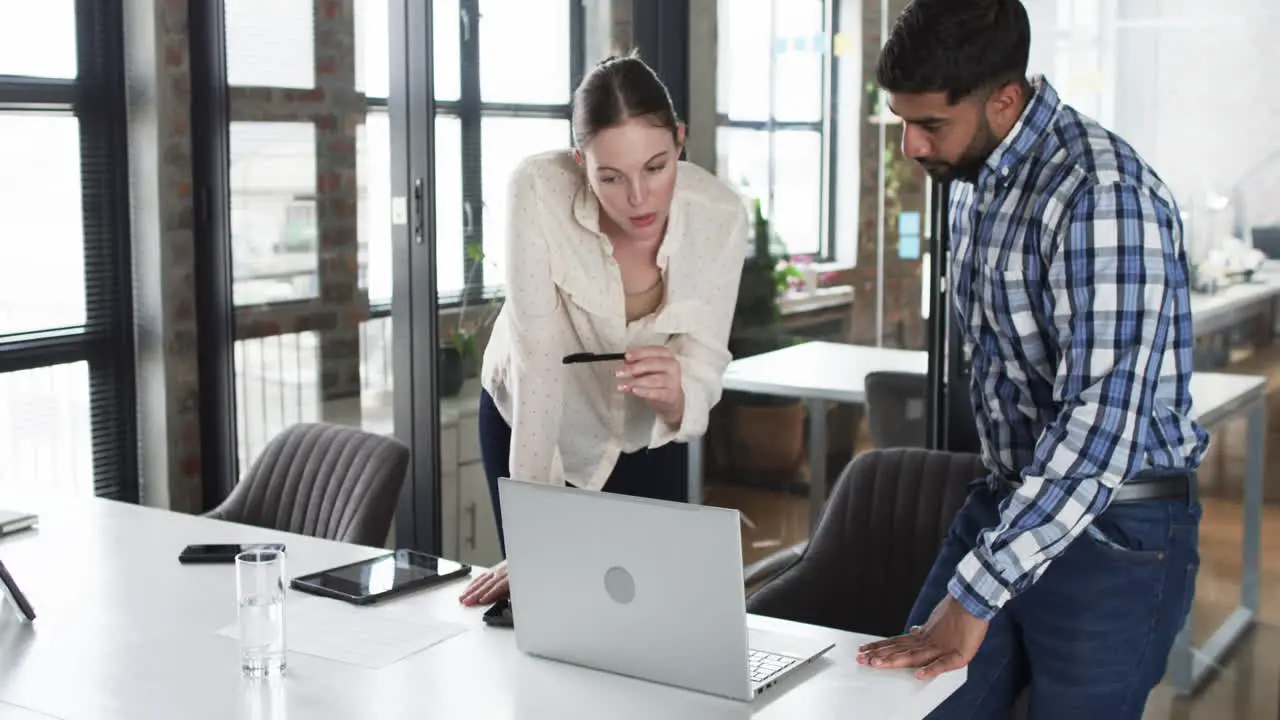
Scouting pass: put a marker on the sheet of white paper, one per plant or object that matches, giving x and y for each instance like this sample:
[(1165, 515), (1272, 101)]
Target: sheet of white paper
[(371, 636)]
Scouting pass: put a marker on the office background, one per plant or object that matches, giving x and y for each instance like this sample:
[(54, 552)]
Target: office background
[(218, 219)]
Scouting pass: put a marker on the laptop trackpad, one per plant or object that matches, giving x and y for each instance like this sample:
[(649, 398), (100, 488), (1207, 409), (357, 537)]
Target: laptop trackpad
[(796, 646)]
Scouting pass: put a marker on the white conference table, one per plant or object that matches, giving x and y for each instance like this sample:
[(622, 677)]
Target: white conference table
[(13, 712), (123, 631), (819, 372)]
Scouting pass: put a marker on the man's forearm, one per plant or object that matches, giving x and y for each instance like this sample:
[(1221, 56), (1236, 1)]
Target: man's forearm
[(1039, 520)]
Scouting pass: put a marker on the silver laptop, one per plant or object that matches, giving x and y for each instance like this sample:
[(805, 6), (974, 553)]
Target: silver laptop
[(645, 588)]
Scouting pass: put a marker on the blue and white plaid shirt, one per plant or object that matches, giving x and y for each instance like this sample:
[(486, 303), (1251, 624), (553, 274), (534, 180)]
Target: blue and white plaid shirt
[(1070, 281)]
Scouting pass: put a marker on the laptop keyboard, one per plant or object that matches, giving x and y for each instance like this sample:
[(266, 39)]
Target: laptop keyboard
[(765, 665)]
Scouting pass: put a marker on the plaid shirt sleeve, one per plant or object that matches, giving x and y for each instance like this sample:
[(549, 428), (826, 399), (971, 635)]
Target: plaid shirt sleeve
[(1112, 275)]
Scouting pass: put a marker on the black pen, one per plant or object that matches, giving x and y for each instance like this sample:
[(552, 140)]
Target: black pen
[(586, 357)]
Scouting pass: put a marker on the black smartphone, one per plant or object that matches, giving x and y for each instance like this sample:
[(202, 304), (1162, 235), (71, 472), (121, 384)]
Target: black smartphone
[(10, 588), (222, 552), (499, 614)]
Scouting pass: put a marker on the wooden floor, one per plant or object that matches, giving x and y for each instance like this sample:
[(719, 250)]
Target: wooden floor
[(1248, 684)]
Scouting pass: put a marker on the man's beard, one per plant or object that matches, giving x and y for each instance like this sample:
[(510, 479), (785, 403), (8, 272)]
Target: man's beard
[(970, 161)]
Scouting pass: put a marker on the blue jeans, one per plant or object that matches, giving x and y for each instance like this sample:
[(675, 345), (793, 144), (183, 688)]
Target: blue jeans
[(1092, 636), (658, 473)]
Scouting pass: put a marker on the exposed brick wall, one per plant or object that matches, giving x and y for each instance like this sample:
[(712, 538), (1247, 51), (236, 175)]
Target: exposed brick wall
[(158, 47), (337, 112), (336, 196), (901, 279), (159, 87)]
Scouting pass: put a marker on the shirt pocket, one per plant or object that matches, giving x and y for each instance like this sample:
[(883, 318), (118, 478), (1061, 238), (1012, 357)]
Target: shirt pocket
[(1009, 306)]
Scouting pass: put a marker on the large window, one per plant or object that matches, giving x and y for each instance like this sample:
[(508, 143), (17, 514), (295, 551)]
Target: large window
[(66, 362), (309, 215), (497, 100), (771, 111), (276, 167)]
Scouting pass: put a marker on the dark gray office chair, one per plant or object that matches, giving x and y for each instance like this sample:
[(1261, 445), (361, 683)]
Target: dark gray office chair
[(327, 481), (876, 541), (896, 409), (878, 538)]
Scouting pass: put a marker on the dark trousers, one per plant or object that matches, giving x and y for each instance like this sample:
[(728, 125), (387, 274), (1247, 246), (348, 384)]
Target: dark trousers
[(1092, 636), (660, 473)]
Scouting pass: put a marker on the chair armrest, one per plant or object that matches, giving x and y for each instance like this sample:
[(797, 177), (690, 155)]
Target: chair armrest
[(764, 570)]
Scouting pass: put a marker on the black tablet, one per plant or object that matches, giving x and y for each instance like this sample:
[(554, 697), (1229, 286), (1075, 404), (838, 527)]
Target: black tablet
[(375, 579), (10, 588)]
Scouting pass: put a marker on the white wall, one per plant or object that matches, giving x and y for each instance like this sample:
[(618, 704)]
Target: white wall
[(1193, 85)]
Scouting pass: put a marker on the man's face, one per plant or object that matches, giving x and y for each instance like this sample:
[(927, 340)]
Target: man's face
[(950, 141)]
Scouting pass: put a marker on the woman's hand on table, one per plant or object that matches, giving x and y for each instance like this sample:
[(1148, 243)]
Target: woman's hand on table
[(487, 588)]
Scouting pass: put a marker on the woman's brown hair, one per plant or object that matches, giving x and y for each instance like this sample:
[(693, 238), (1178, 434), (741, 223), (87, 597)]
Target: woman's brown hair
[(616, 90)]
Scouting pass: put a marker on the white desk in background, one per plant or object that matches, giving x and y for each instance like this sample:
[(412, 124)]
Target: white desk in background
[(1235, 304), (818, 372), (1220, 398), (124, 632)]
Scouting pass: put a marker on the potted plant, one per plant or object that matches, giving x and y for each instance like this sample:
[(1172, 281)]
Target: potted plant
[(460, 355), (757, 321)]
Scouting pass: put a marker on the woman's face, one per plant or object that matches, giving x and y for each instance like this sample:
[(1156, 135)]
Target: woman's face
[(632, 170)]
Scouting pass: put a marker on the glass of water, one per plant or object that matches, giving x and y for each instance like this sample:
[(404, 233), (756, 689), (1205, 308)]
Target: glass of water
[(260, 581)]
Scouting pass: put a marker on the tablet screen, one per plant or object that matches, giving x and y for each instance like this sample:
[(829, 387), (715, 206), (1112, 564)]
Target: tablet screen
[(383, 573)]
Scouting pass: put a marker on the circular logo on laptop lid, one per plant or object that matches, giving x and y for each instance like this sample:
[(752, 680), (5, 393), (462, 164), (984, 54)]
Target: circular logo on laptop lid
[(620, 585)]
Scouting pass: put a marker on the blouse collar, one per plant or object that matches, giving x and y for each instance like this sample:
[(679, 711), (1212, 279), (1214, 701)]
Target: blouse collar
[(586, 211)]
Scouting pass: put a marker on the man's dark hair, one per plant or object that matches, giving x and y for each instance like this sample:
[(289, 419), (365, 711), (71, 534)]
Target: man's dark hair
[(956, 47)]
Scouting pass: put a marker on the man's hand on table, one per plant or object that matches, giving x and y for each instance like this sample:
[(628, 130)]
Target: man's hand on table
[(947, 641)]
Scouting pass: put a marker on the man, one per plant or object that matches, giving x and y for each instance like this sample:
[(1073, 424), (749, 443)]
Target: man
[(1071, 567)]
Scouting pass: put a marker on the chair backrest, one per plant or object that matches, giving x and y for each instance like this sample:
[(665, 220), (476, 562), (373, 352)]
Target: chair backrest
[(328, 481), (896, 408), (877, 540)]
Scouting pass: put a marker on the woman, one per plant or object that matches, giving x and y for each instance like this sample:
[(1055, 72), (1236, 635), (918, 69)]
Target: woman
[(615, 246)]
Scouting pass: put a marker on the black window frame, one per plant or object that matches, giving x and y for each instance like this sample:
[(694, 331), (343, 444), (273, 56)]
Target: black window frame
[(470, 110), (824, 127), (96, 97), (221, 323)]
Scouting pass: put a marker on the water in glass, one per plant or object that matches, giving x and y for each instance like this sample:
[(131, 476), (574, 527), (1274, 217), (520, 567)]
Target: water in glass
[(261, 596)]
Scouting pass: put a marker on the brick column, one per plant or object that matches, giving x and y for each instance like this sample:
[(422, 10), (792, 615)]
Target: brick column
[(905, 184), (338, 264), (337, 111), (159, 87)]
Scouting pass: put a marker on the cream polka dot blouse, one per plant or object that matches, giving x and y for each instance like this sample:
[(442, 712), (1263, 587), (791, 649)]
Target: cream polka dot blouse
[(565, 295)]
